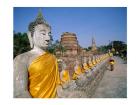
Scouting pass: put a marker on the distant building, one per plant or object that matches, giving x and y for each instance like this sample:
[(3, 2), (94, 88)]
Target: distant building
[(70, 43), (93, 47)]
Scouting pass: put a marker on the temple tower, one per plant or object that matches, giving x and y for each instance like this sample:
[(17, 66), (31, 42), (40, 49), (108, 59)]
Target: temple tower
[(70, 43)]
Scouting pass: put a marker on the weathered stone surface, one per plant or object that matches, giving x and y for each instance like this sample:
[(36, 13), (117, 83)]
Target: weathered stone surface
[(85, 85), (113, 83)]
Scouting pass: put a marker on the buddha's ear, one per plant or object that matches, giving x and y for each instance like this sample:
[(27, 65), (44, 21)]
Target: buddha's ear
[(30, 39)]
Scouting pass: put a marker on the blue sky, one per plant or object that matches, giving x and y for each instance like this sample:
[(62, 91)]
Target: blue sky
[(102, 23)]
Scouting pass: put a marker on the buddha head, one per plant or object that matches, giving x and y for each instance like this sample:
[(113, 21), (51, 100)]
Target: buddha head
[(39, 33), (64, 65), (85, 59), (93, 57), (77, 62), (89, 58)]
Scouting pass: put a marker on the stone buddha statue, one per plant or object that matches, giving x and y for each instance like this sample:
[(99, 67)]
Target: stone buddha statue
[(90, 62), (94, 61), (77, 70), (36, 72), (85, 64), (64, 75)]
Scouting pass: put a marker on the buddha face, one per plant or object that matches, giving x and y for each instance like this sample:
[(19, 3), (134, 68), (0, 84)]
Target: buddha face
[(93, 57), (89, 58), (77, 62), (85, 60), (41, 36)]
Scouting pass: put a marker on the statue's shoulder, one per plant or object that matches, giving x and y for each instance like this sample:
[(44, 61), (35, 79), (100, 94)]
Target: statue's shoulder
[(24, 57), (53, 56)]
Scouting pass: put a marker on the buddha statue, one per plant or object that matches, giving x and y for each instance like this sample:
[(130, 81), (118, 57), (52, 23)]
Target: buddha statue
[(64, 75), (36, 72), (77, 70)]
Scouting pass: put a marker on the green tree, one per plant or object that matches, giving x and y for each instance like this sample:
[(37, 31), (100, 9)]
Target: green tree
[(56, 46), (118, 46), (21, 43), (103, 49)]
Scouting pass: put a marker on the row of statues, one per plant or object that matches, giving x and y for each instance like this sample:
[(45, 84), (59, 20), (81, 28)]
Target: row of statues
[(36, 73), (79, 69), (79, 85)]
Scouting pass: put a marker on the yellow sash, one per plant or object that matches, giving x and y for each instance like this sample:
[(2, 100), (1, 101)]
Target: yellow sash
[(65, 76), (85, 66), (112, 62), (90, 64), (97, 61), (43, 76), (94, 62), (77, 72)]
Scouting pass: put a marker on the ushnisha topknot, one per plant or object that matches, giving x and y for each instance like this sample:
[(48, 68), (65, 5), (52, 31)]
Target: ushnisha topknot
[(39, 20)]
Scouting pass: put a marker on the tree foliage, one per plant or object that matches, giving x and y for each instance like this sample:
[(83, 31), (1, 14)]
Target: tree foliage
[(56, 46), (117, 47), (21, 43)]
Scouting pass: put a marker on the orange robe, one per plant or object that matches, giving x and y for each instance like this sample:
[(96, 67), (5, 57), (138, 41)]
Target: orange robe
[(90, 65), (77, 72), (85, 67), (44, 76), (65, 76), (94, 62)]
